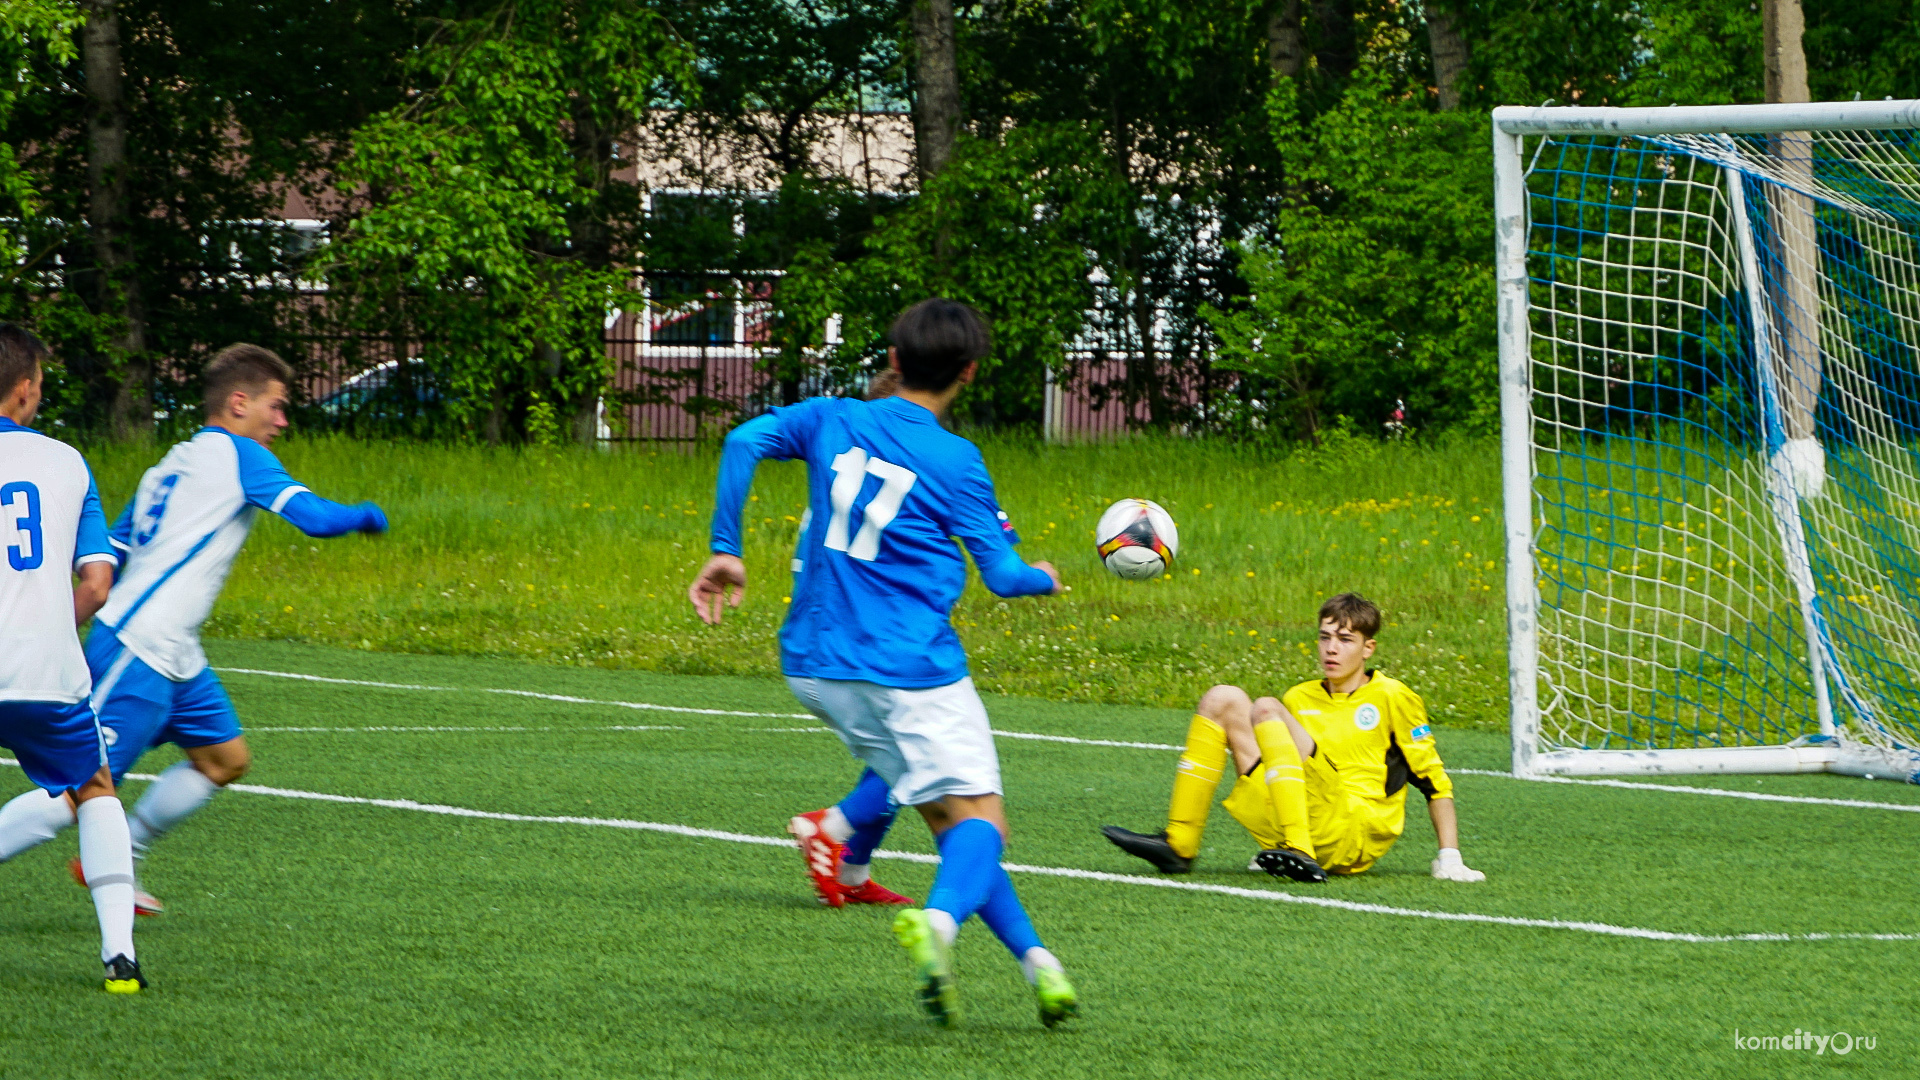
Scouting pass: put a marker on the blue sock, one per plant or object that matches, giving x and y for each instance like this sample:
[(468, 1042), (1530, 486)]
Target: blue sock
[(969, 862), (1006, 918), (869, 808)]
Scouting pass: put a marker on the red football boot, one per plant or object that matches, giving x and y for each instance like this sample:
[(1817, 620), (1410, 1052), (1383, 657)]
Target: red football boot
[(872, 892), (822, 855)]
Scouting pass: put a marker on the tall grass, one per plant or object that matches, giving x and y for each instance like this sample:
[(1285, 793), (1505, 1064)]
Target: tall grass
[(583, 557)]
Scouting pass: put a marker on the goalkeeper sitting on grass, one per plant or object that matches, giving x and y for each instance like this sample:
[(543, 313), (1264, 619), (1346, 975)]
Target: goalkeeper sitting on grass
[(1323, 773)]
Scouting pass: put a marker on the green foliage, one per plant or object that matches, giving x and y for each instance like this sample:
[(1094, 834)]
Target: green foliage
[(232, 110), (34, 34), (30, 30), (1381, 286), (1709, 54), (1008, 227), (494, 234), (1534, 52), (473, 160)]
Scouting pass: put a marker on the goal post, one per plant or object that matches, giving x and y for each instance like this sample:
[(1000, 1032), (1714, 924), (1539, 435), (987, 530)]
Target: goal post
[(1709, 338)]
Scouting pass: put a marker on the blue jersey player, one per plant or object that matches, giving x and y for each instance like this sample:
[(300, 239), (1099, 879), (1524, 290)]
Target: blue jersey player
[(868, 645), (53, 531), (177, 541)]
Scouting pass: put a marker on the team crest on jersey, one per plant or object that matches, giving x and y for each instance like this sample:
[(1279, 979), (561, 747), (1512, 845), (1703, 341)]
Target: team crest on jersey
[(1366, 717)]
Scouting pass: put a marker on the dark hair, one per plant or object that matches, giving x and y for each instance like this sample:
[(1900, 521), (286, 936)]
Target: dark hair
[(1351, 611), (242, 367), (935, 340), (20, 354)]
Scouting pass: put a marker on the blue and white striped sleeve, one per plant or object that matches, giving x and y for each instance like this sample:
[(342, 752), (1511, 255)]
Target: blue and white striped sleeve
[(263, 478), (91, 543), (121, 534), (269, 487)]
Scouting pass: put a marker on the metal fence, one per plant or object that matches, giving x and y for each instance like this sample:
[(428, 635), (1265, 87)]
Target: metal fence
[(692, 360)]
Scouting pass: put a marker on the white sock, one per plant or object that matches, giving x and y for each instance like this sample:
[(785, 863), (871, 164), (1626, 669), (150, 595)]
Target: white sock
[(180, 791), (855, 874), (30, 820), (1036, 959), (106, 858), (943, 925), (836, 825)]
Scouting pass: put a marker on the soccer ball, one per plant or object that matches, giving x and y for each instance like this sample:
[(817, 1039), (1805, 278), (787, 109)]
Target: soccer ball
[(1136, 539)]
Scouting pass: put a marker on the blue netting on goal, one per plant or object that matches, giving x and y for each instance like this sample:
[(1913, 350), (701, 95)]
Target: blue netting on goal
[(1726, 436)]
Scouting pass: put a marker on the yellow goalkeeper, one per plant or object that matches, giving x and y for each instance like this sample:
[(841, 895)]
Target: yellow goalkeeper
[(1323, 772)]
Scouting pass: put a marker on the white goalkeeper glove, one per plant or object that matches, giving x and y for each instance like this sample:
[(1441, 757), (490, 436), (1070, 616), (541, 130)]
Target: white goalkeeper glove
[(1448, 867)]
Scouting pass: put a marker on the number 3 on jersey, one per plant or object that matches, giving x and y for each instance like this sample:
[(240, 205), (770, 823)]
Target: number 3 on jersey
[(850, 472), (26, 526)]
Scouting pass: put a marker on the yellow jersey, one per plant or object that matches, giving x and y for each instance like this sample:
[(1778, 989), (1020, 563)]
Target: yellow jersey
[(1376, 740)]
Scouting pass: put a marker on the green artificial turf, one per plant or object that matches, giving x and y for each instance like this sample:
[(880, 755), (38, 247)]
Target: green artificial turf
[(318, 939)]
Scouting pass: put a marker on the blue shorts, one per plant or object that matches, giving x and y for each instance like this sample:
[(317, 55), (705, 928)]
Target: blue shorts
[(140, 708), (59, 746)]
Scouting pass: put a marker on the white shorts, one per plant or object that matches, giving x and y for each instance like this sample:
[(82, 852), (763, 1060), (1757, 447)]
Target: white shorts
[(926, 744)]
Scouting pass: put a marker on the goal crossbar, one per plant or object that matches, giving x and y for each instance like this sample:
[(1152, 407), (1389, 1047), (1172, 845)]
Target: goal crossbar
[(1708, 119)]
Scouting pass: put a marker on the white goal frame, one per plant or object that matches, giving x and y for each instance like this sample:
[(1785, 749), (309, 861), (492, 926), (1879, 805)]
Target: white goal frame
[(1832, 750)]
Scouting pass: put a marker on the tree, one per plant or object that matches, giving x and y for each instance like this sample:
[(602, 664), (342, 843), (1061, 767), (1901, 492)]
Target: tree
[(117, 287), (1451, 56), (224, 109), (784, 89), (33, 35), (492, 230), (936, 86), (1381, 285), (1020, 214)]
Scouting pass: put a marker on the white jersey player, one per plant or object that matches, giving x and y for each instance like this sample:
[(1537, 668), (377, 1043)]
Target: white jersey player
[(177, 541), (53, 530)]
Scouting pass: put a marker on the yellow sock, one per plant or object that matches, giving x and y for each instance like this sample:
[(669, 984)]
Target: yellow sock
[(1193, 785), (1286, 783)]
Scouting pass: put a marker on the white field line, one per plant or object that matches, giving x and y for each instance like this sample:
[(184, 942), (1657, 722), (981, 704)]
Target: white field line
[(1604, 929), (649, 706), (339, 730), (1756, 796)]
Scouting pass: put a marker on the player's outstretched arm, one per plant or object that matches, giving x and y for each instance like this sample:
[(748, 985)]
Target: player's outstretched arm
[(270, 488), (1446, 829), (318, 517), (989, 537)]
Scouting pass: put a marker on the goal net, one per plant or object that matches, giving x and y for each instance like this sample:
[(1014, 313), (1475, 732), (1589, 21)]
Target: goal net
[(1710, 357)]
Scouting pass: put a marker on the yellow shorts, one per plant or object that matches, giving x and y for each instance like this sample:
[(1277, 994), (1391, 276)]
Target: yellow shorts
[(1350, 832)]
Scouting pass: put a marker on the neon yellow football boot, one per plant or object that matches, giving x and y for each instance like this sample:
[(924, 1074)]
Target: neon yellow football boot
[(1057, 1000), (123, 976), (932, 965)]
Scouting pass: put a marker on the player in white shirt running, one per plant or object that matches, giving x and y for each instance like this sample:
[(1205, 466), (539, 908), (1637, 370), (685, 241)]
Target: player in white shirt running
[(53, 531), (178, 539)]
